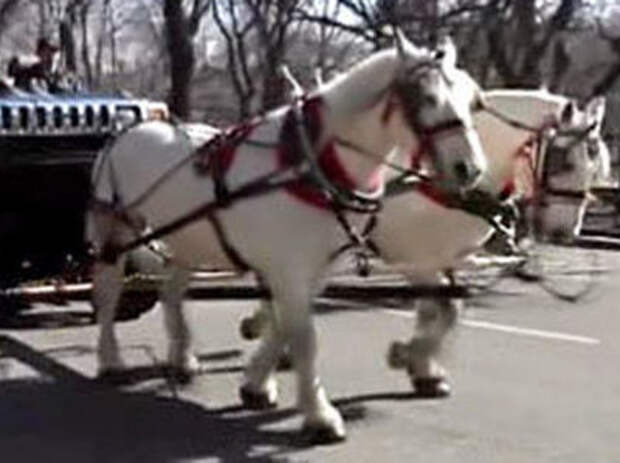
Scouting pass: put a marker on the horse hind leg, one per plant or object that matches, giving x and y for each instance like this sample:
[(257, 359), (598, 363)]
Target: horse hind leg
[(182, 363), (103, 231), (107, 289)]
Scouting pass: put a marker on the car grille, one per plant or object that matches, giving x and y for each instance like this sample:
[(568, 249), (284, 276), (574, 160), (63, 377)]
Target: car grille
[(43, 118)]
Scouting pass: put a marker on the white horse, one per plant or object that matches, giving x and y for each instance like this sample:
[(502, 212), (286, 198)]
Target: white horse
[(419, 234), (401, 98), (415, 227)]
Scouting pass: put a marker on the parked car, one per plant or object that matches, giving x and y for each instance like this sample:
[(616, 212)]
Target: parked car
[(48, 143)]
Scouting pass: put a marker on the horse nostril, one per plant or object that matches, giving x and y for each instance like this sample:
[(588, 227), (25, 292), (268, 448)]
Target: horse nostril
[(460, 169), (466, 174)]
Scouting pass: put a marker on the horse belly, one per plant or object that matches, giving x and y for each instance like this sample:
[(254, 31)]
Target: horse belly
[(415, 230), (198, 245)]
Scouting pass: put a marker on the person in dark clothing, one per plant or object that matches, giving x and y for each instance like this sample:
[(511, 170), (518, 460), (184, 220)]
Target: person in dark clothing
[(40, 74), (46, 52)]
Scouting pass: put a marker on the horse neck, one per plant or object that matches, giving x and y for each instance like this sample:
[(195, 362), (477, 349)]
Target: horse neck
[(356, 107), (502, 142)]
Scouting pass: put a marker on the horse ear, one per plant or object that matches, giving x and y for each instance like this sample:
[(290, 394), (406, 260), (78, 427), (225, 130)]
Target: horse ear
[(400, 42), (446, 51), (595, 109), (406, 49)]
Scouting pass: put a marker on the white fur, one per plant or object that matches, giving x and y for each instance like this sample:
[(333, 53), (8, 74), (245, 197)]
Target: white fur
[(413, 229), (288, 243), (430, 238)]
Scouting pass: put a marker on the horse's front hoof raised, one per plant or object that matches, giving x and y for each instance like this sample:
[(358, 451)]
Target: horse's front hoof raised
[(256, 400), (322, 434), (432, 388)]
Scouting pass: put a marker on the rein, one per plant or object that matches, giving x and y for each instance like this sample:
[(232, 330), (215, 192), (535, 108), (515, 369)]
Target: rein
[(264, 184), (340, 199), (544, 137)]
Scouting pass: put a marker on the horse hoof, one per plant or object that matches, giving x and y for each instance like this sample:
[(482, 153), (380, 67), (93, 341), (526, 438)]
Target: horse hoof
[(256, 400), (321, 434), (249, 328), (398, 355), (432, 388), (113, 377)]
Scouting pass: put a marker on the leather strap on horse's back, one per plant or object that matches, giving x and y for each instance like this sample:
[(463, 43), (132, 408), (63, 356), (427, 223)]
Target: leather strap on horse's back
[(216, 156), (289, 154)]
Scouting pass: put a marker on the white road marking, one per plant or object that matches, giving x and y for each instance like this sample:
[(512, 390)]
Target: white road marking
[(516, 330)]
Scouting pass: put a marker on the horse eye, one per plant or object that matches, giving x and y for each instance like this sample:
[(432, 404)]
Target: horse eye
[(430, 100), (477, 105), (440, 54)]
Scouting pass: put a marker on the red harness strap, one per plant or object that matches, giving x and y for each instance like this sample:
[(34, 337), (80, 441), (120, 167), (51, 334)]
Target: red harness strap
[(509, 188), (328, 161), (215, 157)]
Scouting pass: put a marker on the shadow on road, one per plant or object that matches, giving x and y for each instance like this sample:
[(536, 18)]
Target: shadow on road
[(71, 418), (48, 319)]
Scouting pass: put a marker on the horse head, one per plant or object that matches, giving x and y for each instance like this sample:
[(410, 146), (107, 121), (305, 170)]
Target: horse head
[(572, 160), (429, 88)]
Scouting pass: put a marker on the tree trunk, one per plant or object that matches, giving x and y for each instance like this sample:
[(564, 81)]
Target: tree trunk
[(85, 51), (6, 8), (67, 44), (181, 52)]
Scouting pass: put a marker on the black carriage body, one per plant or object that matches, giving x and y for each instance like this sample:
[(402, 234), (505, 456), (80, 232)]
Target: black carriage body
[(48, 144)]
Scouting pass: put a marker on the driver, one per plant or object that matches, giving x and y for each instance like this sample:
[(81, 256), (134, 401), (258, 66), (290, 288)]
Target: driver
[(44, 68), (40, 74)]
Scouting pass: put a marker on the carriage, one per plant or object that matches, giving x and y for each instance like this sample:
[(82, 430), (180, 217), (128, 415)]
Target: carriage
[(48, 143)]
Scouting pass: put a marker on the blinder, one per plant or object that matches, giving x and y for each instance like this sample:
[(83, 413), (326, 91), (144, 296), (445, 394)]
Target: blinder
[(410, 92), (553, 159)]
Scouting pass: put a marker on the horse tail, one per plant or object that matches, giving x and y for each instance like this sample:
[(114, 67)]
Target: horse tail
[(105, 197)]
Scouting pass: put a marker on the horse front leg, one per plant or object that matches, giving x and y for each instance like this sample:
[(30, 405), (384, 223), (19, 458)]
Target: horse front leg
[(292, 302), (322, 421), (182, 362), (435, 318)]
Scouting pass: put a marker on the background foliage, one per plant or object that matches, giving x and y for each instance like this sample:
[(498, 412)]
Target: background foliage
[(218, 61)]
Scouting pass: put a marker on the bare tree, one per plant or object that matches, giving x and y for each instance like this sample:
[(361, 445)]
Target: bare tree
[(7, 8), (257, 35), (181, 27), (612, 73), (515, 43)]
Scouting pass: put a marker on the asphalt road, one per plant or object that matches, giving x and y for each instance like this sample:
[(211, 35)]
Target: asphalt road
[(535, 380)]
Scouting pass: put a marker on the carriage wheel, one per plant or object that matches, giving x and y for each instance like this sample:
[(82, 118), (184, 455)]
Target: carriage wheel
[(485, 271), (568, 273)]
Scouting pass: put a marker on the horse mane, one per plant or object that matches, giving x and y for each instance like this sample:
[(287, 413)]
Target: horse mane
[(362, 83)]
